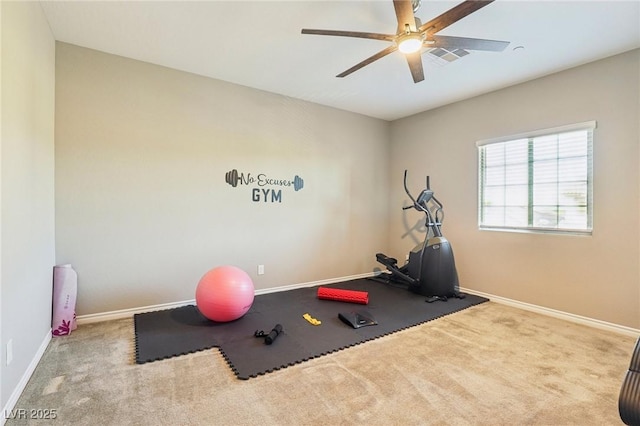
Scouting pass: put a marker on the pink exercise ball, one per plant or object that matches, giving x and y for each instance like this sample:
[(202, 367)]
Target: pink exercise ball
[(224, 293)]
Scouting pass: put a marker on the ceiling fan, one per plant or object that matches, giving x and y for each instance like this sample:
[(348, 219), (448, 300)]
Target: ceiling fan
[(412, 35)]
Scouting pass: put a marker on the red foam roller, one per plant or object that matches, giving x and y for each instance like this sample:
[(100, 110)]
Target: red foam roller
[(341, 295)]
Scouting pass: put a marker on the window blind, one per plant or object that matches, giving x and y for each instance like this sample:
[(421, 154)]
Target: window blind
[(538, 181)]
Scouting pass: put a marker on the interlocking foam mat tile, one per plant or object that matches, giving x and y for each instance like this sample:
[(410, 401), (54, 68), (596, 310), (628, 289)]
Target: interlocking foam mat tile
[(173, 332)]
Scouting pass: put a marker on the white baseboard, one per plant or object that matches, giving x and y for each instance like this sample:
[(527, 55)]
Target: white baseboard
[(17, 391), (127, 313), (603, 325), (314, 283)]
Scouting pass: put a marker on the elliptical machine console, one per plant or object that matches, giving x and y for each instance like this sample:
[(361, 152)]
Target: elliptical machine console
[(431, 269)]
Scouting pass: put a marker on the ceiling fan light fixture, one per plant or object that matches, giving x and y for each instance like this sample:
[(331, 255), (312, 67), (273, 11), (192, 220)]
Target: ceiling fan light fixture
[(410, 43)]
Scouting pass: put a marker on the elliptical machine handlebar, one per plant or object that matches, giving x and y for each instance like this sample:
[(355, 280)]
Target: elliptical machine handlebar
[(433, 218), (425, 196)]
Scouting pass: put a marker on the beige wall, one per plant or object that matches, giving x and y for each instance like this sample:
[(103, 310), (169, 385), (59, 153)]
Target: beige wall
[(143, 210), (27, 188), (142, 207), (596, 276)]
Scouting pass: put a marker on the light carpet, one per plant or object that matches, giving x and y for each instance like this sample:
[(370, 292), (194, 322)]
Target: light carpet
[(487, 365)]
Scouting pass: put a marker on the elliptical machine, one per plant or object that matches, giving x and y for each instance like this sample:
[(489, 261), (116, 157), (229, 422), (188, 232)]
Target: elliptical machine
[(431, 269)]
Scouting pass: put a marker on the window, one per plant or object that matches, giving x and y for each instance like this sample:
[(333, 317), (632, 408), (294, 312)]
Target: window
[(540, 181)]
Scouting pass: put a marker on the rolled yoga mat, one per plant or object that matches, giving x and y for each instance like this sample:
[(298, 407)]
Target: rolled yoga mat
[(65, 290), (341, 295)]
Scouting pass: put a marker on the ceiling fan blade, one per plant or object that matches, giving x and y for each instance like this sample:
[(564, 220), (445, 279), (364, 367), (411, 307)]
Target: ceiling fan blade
[(369, 60), (404, 13), (375, 36), (415, 65), (449, 43), (453, 15)]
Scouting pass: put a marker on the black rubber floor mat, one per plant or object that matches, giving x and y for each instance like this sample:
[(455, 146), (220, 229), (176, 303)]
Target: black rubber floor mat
[(173, 332)]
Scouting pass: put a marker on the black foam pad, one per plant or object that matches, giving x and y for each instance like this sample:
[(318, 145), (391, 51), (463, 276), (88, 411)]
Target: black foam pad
[(174, 332)]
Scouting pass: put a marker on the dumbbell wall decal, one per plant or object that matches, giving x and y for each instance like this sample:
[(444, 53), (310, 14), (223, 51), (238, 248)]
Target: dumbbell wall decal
[(234, 178)]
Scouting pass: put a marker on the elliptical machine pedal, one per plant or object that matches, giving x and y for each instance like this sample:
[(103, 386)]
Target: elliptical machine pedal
[(444, 298)]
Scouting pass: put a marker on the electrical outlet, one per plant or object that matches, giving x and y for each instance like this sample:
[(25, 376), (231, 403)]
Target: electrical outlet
[(260, 269), (9, 351)]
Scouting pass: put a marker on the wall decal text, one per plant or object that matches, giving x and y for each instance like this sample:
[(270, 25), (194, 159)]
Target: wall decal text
[(261, 180)]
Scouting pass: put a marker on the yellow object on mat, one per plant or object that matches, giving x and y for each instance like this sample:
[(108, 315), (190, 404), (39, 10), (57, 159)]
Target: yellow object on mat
[(311, 319)]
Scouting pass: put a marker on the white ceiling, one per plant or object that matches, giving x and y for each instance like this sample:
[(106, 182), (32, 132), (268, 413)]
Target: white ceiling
[(259, 44)]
